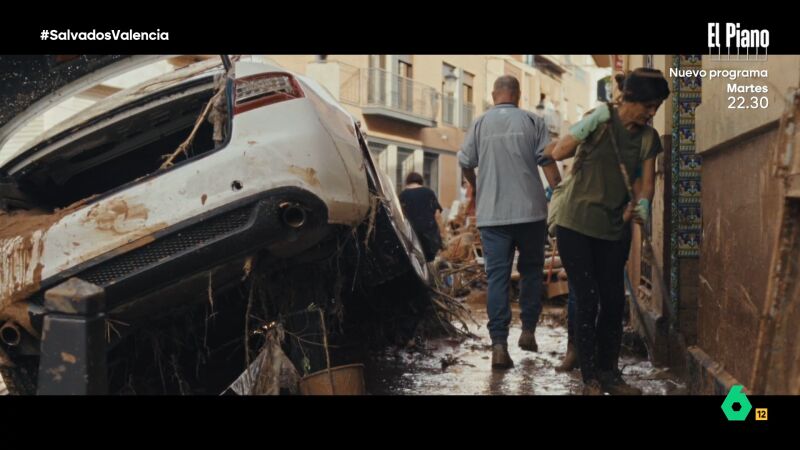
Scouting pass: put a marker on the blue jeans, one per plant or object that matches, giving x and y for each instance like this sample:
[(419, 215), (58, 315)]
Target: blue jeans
[(499, 244)]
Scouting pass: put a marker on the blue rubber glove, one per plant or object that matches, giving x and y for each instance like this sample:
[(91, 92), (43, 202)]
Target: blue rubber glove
[(643, 209), (548, 193), (588, 124)]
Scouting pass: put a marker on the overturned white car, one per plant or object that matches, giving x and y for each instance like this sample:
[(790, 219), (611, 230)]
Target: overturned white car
[(147, 239)]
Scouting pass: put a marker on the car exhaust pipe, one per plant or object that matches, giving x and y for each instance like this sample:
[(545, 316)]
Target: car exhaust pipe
[(294, 216), (10, 334)]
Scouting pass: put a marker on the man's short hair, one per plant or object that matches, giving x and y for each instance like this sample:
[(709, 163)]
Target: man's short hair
[(414, 177), (507, 83)]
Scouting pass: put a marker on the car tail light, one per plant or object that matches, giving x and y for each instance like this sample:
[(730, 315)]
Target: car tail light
[(264, 89)]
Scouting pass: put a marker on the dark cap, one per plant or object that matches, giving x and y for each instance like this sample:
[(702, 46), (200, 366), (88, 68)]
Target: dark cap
[(645, 85)]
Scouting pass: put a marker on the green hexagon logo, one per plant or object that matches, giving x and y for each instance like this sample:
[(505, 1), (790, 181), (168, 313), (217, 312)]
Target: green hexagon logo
[(736, 396)]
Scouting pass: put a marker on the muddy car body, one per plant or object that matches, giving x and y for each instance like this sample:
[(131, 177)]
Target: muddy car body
[(276, 168)]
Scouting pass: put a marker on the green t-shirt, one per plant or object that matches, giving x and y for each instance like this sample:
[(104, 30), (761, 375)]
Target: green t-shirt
[(593, 202)]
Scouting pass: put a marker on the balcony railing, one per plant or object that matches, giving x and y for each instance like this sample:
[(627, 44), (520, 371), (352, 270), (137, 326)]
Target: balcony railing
[(449, 109), (379, 92), (399, 97), (350, 85), (467, 114)]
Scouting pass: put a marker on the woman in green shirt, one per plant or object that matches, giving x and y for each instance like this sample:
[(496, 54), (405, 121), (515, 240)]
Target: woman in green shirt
[(589, 221)]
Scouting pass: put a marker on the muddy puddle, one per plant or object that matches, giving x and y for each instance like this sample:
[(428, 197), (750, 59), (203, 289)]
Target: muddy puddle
[(452, 367)]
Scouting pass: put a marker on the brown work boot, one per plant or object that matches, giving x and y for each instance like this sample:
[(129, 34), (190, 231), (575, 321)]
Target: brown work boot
[(612, 382), (501, 360), (570, 361), (527, 341), (592, 387)]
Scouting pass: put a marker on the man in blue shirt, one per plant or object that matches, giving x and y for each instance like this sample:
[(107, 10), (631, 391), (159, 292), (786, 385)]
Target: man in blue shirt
[(507, 144)]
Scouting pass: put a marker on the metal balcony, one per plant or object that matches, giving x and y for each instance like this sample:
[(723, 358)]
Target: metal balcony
[(400, 98)]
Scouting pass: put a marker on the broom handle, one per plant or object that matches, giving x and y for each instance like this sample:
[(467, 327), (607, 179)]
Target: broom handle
[(552, 261), (646, 238)]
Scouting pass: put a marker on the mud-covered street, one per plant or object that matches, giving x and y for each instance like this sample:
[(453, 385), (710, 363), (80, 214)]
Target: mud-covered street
[(446, 366)]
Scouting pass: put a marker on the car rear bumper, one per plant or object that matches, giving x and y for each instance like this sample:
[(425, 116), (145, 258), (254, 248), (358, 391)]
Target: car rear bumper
[(281, 215)]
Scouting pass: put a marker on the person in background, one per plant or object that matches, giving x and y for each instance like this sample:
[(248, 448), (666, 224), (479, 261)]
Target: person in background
[(421, 207)]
